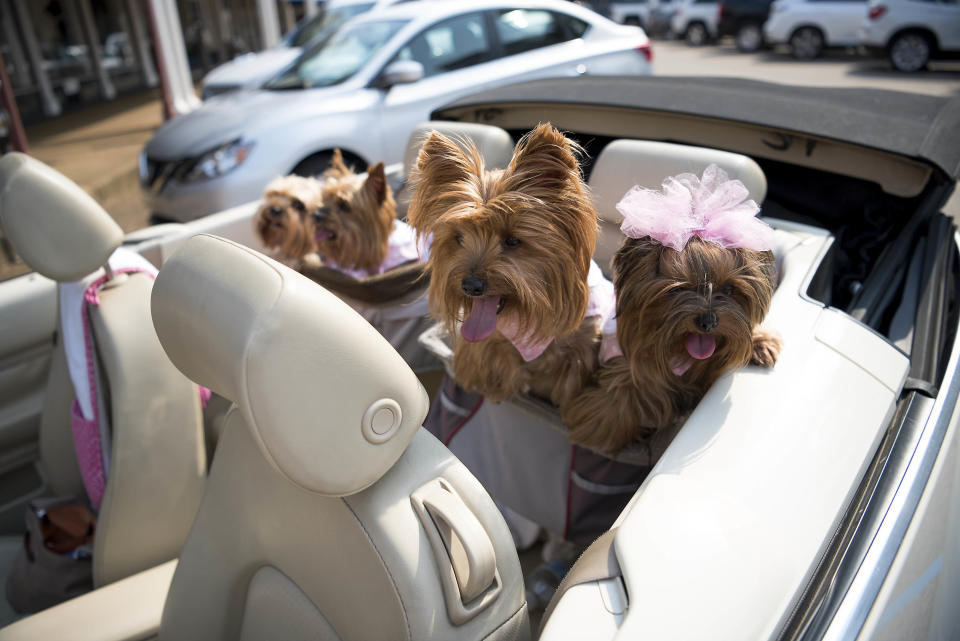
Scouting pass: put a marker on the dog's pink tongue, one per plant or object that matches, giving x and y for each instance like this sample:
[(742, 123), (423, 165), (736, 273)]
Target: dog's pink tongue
[(700, 346), (322, 234), (482, 319)]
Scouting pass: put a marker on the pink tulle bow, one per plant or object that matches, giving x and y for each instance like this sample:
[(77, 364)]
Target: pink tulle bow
[(712, 207)]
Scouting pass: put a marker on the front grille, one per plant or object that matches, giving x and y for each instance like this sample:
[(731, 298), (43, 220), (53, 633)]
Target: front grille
[(160, 172)]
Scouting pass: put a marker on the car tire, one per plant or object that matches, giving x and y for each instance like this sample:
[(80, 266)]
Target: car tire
[(749, 37), (313, 166), (696, 34), (806, 43), (910, 51)]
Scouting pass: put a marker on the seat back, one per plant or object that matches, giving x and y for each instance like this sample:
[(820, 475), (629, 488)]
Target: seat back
[(328, 512), (152, 441), (494, 144), (625, 163)]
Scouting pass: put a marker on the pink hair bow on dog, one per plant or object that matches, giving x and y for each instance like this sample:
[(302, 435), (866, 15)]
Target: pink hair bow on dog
[(713, 208)]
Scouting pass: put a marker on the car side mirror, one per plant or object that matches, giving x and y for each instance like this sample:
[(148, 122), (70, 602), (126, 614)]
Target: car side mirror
[(399, 73)]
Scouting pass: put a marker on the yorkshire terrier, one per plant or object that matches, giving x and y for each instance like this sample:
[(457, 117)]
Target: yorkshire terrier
[(352, 229), (281, 223), (509, 264), (694, 279)]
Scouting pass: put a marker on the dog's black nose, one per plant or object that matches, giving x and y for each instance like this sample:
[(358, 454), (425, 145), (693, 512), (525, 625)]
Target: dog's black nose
[(321, 214), (276, 212), (473, 286), (707, 322)]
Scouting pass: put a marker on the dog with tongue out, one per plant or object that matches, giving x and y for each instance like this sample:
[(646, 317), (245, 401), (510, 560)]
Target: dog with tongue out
[(694, 278), (510, 263)]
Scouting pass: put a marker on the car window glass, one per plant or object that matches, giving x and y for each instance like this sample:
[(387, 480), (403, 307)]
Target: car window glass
[(576, 26), (337, 59), (328, 20), (11, 265), (521, 30), (452, 44)]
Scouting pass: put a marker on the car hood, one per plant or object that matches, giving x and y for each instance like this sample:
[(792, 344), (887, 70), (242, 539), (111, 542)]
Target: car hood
[(252, 68), (231, 116)]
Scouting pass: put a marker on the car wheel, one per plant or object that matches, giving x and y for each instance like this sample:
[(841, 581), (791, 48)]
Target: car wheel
[(633, 21), (749, 37), (696, 35), (806, 43), (910, 51)]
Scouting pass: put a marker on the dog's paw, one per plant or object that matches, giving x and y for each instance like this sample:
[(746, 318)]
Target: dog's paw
[(766, 347)]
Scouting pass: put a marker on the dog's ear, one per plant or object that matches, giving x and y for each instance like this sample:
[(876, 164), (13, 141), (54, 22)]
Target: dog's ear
[(376, 182), (447, 173), (337, 168), (546, 157)]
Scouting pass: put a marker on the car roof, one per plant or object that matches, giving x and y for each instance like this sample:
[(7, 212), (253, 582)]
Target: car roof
[(912, 125), (431, 10)]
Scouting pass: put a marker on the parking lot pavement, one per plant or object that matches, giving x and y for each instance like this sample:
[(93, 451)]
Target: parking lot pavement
[(836, 69)]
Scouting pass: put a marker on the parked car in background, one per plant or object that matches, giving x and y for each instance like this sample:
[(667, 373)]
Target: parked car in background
[(912, 32), (661, 15), (365, 88), (253, 69), (810, 26), (635, 13), (743, 19), (695, 21)]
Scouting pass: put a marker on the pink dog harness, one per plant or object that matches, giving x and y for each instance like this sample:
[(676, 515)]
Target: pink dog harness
[(601, 303), (91, 436), (402, 247)]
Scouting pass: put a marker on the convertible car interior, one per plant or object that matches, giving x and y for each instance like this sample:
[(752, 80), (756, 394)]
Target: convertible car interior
[(329, 512)]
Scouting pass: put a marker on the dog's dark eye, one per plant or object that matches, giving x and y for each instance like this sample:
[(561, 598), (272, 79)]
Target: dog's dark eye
[(726, 290), (298, 206), (460, 239), (343, 205), (512, 242)]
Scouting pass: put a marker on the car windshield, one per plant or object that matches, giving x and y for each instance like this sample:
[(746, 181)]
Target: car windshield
[(337, 59), (314, 28)]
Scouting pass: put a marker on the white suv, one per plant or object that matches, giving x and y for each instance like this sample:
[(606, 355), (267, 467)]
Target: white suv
[(695, 21), (809, 26), (911, 32)]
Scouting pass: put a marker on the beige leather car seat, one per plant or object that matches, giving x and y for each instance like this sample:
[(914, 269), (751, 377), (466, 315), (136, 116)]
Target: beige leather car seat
[(625, 163), (156, 453), (329, 513)]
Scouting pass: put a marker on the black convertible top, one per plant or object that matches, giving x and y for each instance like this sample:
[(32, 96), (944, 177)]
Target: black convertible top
[(914, 125)]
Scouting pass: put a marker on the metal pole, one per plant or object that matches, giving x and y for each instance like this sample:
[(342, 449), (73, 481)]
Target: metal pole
[(96, 54), (269, 22), (179, 96), (310, 8), (18, 136), (51, 106), (141, 44), (16, 49), (75, 31)]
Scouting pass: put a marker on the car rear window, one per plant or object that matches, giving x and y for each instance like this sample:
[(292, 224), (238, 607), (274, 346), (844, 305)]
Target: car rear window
[(453, 44), (521, 30)]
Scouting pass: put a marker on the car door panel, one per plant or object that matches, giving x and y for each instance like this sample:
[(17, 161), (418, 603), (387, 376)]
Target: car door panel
[(28, 314)]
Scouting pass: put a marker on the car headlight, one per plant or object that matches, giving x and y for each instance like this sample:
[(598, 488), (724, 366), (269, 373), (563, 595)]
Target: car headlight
[(219, 161)]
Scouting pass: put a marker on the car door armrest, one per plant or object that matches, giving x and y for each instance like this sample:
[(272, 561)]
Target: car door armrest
[(127, 610)]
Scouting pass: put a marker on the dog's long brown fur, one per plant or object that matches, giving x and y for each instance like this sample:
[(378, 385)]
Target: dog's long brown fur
[(281, 222), (660, 295), (527, 232), (358, 211)]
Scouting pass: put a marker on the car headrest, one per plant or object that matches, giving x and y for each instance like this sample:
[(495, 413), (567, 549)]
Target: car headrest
[(55, 226), (625, 163), (495, 144), (330, 403)]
